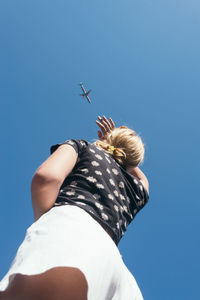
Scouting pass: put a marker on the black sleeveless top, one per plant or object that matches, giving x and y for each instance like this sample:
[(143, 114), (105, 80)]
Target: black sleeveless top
[(102, 187)]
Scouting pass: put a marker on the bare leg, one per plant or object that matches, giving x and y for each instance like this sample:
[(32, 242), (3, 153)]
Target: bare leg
[(60, 283)]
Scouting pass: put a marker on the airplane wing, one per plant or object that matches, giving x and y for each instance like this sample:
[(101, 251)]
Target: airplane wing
[(88, 92)]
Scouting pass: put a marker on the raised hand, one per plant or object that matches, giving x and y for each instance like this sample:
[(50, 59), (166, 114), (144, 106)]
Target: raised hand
[(106, 127)]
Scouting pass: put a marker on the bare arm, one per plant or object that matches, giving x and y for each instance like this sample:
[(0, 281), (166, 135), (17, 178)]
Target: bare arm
[(49, 177), (135, 171)]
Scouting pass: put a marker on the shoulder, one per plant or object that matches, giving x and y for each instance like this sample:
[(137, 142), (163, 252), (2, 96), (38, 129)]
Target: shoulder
[(77, 144)]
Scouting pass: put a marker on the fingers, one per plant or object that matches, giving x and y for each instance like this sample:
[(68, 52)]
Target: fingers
[(109, 125), (105, 125), (112, 123), (102, 127)]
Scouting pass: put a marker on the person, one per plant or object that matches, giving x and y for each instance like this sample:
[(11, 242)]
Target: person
[(83, 196)]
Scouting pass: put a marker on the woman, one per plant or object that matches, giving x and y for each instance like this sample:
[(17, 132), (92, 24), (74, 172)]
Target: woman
[(84, 196)]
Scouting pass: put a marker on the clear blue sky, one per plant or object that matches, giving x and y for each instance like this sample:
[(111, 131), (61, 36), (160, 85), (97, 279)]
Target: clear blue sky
[(141, 60)]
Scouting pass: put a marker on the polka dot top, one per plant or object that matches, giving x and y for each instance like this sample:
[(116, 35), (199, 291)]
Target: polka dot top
[(102, 187)]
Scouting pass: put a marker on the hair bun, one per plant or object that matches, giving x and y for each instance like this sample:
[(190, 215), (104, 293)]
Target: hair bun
[(124, 145), (119, 155)]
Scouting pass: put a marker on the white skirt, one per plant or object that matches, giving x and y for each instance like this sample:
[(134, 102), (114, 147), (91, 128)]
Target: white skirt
[(68, 236)]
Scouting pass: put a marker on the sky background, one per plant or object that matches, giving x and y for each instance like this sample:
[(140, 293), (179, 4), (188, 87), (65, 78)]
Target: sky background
[(141, 60)]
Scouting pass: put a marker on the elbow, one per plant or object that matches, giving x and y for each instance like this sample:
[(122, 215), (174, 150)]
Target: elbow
[(44, 191), (42, 178)]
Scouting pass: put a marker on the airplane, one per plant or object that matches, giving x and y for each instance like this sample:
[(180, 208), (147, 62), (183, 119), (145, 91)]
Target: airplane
[(85, 94)]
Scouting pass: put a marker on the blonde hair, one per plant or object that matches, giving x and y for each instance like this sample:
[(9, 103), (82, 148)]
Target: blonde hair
[(124, 145)]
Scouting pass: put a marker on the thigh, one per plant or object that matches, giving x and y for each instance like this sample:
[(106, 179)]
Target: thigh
[(59, 283)]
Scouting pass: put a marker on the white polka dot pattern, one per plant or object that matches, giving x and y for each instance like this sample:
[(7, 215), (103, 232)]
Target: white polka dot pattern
[(115, 171), (92, 150), (98, 172), (99, 156), (100, 186), (81, 197), (70, 193), (140, 203), (84, 170), (103, 188), (112, 182), (141, 187), (100, 206), (104, 216), (107, 170), (111, 197), (121, 184), (125, 208), (121, 209), (122, 197), (116, 193), (95, 163), (91, 179), (108, 160), (116, 208)]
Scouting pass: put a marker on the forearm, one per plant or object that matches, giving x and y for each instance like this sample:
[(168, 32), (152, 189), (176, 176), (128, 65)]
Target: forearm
[(140, 175), (137, 173), (43, 194)]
